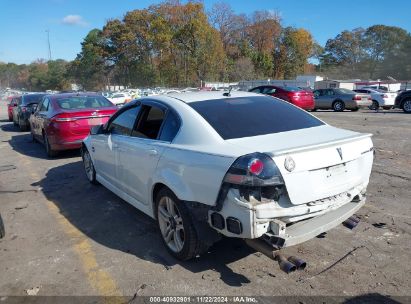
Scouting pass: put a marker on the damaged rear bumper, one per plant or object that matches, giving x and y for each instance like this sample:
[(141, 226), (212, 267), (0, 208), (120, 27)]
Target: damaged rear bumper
[(282, 226)]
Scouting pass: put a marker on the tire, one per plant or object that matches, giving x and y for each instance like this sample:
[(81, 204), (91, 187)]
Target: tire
[(355, 110), (387, 108), (406, 106), (33, 138), (374, 106), (22, 126), (175, 224), (49, 151), (10, 119), (88, 166), (338, 106), (2, 230)]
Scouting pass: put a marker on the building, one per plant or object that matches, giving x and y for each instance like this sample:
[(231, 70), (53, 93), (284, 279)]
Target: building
[(335, 84)]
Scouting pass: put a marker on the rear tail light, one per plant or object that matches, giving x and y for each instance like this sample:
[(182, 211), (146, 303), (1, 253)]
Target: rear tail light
[(63, 118), (384, 96), (23, 109), (256, 169), (256, 178), (356, 97)]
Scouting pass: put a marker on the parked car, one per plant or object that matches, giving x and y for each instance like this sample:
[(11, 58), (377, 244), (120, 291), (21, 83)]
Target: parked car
[(120, 98), (13, 102), (297, 96), (340, 99), (26, 105), (62, 121), (403, 101), (238, 164), (379, 98)]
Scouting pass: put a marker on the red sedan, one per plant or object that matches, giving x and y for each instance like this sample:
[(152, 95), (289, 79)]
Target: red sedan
[(299, 97), (13, 102), (62, 121)]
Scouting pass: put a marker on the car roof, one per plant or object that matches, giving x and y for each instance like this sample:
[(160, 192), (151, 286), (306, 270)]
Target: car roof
[(189, 97)]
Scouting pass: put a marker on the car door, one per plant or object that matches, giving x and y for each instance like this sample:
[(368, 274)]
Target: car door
[(139, 154), (320, 99), (40, 118), (105, 147)]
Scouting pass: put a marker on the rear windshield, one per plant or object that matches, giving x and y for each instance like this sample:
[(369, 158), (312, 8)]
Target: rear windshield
[(253, 116), (83, 102), (32, 98), (292, 89)]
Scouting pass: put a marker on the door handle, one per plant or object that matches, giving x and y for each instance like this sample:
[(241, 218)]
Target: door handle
[(152, 152)]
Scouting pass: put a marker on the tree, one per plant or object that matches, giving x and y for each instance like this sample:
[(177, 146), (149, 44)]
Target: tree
[(89, 66)]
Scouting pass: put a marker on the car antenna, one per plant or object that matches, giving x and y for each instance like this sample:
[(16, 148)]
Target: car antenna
[(228, 93)]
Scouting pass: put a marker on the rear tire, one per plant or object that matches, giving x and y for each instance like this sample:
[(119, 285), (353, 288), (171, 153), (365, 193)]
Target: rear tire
[(355, 109), (338, 106), (88, 166), (176, 227), (22, 126), (406, 106), (49, 151), (374, 106)]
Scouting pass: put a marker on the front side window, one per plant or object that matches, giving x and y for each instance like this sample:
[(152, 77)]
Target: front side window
[(123, 123), (253, 116), (150, 122)]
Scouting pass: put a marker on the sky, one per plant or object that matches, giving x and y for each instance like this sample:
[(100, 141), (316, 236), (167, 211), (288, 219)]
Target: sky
[(24, 23)]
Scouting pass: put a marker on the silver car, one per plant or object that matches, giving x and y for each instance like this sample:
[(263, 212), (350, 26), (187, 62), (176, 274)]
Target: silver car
[(340, 99)]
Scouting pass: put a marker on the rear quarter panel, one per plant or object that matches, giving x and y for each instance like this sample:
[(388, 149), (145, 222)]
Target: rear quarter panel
[(192, 175)]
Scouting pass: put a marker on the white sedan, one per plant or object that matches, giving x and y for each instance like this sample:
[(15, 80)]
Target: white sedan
[(243, 165), (120, 98), (380, 98)]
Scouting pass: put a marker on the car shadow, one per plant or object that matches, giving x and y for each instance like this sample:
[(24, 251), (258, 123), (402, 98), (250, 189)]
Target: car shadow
[(10, 127), (112, 222), (372, 298), (24, 144)]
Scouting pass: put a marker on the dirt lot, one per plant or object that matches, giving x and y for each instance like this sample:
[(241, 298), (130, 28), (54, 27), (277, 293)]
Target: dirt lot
[(67, 237)]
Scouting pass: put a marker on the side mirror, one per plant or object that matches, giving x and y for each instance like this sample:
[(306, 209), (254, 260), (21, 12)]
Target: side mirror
[(33, 108), (98, 129)]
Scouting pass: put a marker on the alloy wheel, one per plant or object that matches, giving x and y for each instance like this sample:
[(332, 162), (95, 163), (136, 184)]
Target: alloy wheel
[(171, 224), (407, 106)]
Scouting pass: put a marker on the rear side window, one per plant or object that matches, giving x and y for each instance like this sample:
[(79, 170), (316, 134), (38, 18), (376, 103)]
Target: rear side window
[(83, 102), (170, 127), (253, 116), (44, 105)]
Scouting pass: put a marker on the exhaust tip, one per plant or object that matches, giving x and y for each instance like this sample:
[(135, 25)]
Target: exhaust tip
[(299, 263), (287, 267), (350, 224)]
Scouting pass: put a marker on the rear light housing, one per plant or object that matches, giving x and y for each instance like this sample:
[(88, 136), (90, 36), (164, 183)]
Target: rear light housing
[(256, 169), (357, 97), (63, 117), (257, 179), (23, 109), (384, 96)]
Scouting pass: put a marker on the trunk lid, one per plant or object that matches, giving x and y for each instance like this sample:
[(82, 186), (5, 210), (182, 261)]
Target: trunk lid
[(80, 122), (328, 161)]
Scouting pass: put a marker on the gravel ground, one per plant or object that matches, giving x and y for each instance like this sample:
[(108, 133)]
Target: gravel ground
[(67, 237)]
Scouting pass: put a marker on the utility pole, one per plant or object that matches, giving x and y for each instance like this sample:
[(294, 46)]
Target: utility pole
[(48, 42)]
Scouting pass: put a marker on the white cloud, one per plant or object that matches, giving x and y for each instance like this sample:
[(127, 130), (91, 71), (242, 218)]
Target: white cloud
[(74, 20)]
